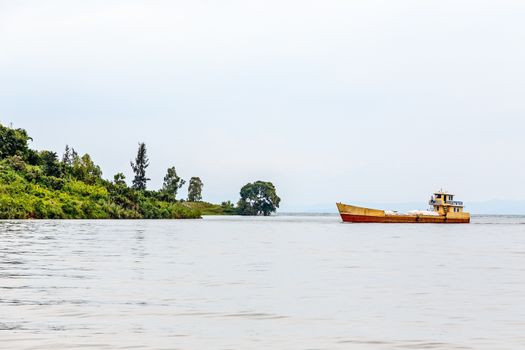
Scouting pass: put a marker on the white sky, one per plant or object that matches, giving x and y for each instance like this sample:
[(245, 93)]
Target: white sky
[(378, 101)]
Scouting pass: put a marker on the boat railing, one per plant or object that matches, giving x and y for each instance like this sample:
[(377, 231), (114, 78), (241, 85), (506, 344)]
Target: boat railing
[(440, 202)]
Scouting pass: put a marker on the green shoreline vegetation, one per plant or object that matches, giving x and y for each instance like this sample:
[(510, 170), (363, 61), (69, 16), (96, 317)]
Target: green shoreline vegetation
[(39, 185)]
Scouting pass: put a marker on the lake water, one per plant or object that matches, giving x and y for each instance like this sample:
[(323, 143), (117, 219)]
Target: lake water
[(284, 282)]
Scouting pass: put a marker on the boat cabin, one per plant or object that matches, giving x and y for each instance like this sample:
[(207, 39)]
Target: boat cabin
[(443, 203)]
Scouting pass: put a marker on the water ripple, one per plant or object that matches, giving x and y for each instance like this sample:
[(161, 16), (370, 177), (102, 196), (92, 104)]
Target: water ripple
[(289, 282)]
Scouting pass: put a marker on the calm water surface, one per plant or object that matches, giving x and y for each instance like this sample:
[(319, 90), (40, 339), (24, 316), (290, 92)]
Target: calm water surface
[(285, 282)]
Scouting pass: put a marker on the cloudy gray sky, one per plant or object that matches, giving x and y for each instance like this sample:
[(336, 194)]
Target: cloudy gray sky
[(357, 101)]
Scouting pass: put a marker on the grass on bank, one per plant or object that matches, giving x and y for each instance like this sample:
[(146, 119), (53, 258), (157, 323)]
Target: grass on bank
[(26, 193)]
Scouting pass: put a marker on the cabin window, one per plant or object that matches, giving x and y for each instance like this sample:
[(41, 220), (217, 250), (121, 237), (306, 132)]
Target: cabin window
[(438, 196)]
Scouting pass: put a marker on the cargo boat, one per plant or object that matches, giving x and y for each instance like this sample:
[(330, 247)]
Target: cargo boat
[(443, 210)]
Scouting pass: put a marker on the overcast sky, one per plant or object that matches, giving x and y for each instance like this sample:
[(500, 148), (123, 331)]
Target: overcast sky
[(355, 101)]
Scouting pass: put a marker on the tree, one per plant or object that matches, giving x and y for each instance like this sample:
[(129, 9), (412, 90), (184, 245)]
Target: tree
[(172, 184), (258, 198), (74, 155), (67, 158), (195, 189), (119, 179), (139, 168), (84, 169), (50, 164), (13, 142), (67, 161), (228, 208)]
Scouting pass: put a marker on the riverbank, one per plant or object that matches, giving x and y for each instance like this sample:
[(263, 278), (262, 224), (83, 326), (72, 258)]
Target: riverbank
[(25, 193), (38, 185), (24, 196)]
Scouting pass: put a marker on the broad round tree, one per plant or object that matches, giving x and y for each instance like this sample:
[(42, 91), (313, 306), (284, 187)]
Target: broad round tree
[(258, 198)]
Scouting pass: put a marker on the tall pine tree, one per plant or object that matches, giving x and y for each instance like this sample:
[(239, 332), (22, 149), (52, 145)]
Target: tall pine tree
[(139, 168), (67, 158)]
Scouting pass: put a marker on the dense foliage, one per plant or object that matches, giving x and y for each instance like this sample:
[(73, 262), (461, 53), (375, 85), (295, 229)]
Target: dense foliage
[(195, 189), (258, 198), (139, 168), (172, 184), (13, 142), (39, 185), (42, 185)]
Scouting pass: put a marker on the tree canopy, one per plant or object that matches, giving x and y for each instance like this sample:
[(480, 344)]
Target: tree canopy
[(84, 169), (13, 142), (195, 189), (50, 163), (258, 198), (119, 179), (139, 168), (172, 184), (67, 157)]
